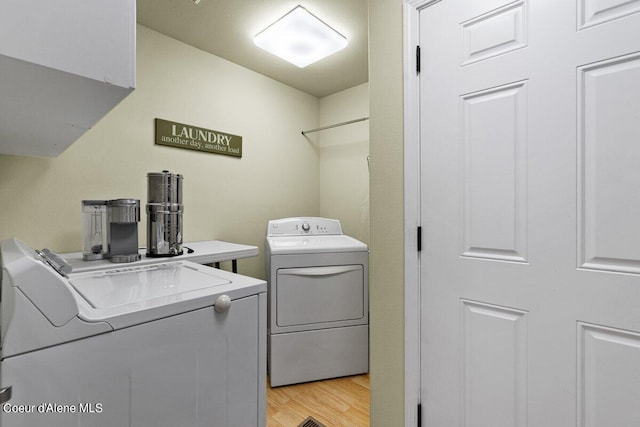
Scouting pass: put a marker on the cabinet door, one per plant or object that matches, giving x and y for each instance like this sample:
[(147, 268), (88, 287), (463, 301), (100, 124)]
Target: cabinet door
[(64, 65), (196, 369), (94, 39)]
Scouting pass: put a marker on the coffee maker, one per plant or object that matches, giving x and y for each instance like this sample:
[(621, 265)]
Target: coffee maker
[(124, 215), (110, 230), (95, 242)]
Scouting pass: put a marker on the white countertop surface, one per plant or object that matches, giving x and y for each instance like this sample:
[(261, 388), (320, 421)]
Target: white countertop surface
[(205, 252)]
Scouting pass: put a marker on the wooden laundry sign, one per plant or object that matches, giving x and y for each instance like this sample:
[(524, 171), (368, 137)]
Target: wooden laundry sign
[(194, 138)]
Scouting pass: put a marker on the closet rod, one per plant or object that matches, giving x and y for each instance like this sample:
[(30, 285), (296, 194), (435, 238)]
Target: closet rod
[(304, 132)]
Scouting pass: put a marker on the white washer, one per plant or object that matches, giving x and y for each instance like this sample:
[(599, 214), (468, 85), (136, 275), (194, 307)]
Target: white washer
[(168, 344), (318, 301)]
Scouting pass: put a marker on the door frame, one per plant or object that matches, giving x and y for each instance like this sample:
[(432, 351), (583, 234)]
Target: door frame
[(412, 372)]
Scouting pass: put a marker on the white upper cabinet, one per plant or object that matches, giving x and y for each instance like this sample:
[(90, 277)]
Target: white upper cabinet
[(64, 64)]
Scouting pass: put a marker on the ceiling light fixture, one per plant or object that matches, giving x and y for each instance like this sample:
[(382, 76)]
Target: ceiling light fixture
[(300, 38)]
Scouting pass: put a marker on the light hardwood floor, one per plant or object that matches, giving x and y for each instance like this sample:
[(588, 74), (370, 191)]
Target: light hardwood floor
[(339, 402)]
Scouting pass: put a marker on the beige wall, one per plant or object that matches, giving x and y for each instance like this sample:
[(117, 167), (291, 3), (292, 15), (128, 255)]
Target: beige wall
[(386, 261), (281, 173), (344, 176), (225, 198)]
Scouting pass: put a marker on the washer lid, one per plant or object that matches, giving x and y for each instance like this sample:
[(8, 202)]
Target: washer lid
[(141, 287), (314, 244)]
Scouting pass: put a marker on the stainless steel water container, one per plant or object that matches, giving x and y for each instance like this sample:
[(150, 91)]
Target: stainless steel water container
[(164, 214)]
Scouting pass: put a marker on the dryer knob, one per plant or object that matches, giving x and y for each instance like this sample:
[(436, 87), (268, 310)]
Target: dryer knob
[(306, 227), (223, 302)]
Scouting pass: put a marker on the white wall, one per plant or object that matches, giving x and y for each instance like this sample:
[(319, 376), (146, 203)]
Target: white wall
[(344, 175), (225, 198)]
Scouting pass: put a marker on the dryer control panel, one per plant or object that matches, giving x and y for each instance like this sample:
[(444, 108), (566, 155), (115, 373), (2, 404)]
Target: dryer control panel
[(298, 226)]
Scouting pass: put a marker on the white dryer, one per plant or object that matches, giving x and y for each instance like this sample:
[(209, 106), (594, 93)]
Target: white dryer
[(167, 344), (318, 301)]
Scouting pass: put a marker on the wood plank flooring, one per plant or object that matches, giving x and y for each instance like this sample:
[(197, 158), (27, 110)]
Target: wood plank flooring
[(339, 402)]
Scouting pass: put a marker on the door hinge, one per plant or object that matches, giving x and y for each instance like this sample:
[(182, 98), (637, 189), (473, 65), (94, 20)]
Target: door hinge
[(419, 419), (417, 59), (419, 239)]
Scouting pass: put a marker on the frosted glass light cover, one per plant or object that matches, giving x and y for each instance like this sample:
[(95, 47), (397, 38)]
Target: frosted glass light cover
[(300, 38)]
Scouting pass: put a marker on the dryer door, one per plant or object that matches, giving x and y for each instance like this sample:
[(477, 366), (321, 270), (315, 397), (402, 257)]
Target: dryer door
[(320, 297)]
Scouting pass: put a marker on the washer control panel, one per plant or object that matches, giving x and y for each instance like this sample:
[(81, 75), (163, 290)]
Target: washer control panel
[(298, 226)]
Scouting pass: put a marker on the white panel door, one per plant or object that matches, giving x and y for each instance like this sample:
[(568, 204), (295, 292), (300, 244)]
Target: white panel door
[(530, 211)]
